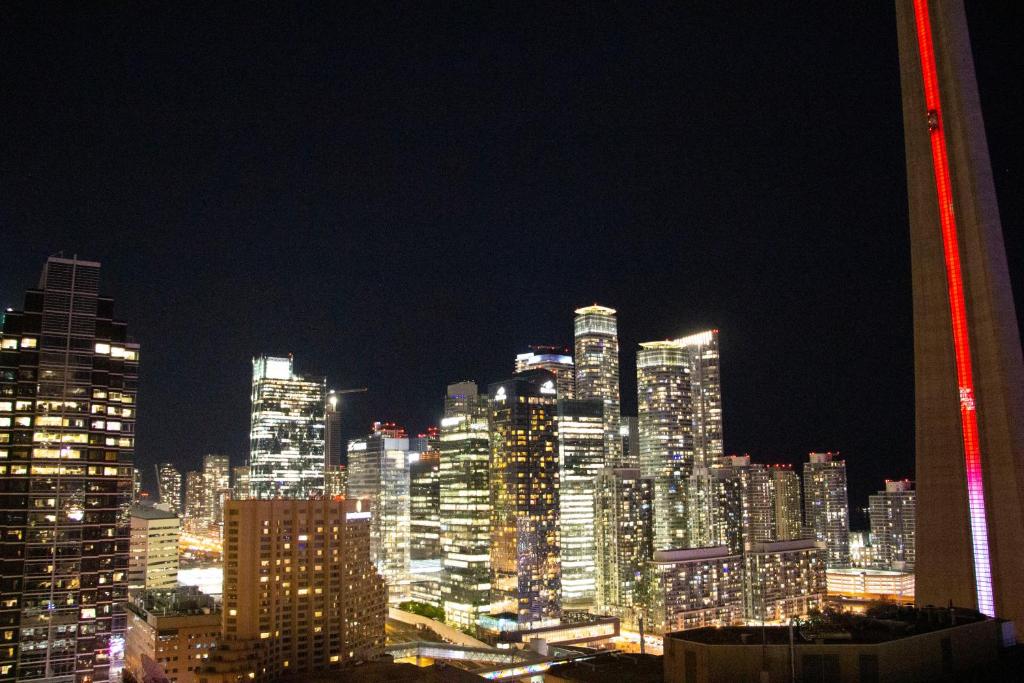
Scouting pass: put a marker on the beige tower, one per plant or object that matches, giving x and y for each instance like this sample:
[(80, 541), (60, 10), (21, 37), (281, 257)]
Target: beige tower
[(969, 380)]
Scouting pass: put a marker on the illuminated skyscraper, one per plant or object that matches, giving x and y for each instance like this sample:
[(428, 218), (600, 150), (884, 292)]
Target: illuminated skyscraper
[(286, 438), (168, 480), (755, 503), (826, 508), (893, 525), (525, 569), (730, 478), (465, 501), (553, 359), (788, 504), (665, 420), (335, 481), (597, 369), (622, 536), (704, 363), (194, 522), (969, 374), (240, 482), (581, 457), (378, 472), (216, 489), (425, 496), (68, 378)]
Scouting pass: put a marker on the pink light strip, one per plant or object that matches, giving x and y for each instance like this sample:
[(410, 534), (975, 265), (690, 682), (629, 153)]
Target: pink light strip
[(958, 311)]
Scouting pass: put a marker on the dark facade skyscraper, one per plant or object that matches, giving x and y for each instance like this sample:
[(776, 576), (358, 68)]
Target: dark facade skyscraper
[(334, 449), (525, 563), (629, 431), (553, 359), (969, 374), (68, 377), (425, 496)]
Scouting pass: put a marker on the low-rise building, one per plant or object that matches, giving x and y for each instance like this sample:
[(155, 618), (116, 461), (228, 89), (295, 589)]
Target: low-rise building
[(695, 588), (174, 628), (870, 584), (908, 646), (784, 579)]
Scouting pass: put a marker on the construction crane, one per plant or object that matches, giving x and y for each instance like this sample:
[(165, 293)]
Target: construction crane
[(333, 394)]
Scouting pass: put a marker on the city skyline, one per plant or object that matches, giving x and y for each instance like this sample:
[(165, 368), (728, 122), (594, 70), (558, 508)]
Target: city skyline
[(741, 408), (843, 253)]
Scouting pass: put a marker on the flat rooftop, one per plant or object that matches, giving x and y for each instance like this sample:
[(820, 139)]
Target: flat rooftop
[(613, 668), (845, 628)]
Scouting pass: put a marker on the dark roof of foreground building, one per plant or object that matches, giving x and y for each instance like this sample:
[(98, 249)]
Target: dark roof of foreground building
[(150, 512), (838, 629), (614, 667), (374, 672)]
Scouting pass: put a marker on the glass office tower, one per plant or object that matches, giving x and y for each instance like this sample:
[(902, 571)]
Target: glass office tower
[(465, 500), (525, 569), (378, 472), (68, 377), (286, 437), (581, 457)]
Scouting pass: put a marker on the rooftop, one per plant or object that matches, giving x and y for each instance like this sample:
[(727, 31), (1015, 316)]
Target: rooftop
[(887, 624), (870, 571), (149, 512), (614, 667), (595, 309), (181, 601)]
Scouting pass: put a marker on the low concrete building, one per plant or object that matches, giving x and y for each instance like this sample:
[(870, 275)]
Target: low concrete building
[(913, 645), (870, 584), (175, 629)]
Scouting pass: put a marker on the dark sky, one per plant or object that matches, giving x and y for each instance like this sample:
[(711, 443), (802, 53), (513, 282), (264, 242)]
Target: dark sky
[(406, 196)]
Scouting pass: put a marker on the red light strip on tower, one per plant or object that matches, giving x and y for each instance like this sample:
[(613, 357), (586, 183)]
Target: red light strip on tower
[(958, 311)]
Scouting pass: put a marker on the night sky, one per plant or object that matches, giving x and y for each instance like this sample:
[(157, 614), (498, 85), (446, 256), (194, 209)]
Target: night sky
[(407, 196)]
